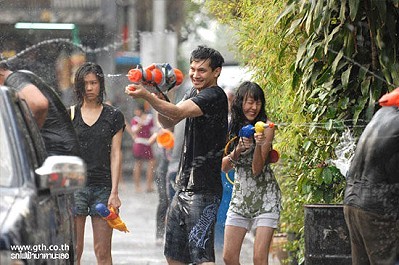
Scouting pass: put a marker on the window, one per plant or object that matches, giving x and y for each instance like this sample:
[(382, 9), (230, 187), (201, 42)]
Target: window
[(6, 165)]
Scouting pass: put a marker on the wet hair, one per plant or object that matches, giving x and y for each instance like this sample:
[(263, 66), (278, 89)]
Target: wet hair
[(4, 66), (238, 119), (3, 63), (84, 70), (204, 53)]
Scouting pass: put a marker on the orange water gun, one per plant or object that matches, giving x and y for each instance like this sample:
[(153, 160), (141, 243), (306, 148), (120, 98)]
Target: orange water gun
[(390, 99), (112, 218), (158, 77)]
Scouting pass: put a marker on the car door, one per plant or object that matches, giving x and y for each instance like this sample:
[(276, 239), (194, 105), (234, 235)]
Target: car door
[(53, 213), (38, 224)]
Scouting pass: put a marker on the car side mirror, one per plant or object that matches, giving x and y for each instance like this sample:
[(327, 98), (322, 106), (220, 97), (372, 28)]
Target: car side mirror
[(62, 174)]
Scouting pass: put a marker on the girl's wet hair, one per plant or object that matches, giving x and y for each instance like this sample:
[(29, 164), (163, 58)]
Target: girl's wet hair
[(238, 119), (84, 70), (204, 53), (3, 63)]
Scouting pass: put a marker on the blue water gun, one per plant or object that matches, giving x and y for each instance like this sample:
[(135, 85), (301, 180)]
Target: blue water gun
[(249, 130)]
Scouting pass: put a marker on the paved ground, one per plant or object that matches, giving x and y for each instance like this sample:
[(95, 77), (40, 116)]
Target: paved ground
[(138, 247)]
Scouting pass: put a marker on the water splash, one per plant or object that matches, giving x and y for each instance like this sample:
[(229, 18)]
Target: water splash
[(334, 124), (115, 75), (86, 49), (344, 152), (42, 57)]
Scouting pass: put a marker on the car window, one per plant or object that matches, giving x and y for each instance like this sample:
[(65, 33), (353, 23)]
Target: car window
[(6, 165), (33, 137), (22, 149)]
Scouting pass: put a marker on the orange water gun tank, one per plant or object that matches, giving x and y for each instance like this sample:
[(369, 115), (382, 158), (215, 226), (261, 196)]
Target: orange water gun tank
[(166, 139), (390, 99)]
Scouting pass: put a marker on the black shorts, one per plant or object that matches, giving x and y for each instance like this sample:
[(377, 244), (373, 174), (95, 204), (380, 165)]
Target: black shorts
[(190, 228)]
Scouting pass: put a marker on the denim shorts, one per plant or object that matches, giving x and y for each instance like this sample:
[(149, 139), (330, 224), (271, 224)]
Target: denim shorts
[(190, 228), (87, 198)]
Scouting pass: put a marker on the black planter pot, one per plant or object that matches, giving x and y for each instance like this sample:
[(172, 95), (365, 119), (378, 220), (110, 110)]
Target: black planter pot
[(326, 235)]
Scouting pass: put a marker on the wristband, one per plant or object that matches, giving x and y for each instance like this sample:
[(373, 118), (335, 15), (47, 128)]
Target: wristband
[(233, 162)]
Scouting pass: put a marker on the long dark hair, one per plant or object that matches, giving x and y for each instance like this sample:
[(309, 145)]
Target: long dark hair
[(238, 119), (84, 70)]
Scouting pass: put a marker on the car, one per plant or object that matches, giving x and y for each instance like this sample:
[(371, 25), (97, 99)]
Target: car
[(36, 191)]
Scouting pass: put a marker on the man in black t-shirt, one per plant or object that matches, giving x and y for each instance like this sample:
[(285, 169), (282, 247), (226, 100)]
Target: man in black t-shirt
[(47, 108), (193, 211)]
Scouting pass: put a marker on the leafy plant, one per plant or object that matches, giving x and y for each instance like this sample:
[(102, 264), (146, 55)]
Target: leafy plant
[(323, 65), (347, 59)]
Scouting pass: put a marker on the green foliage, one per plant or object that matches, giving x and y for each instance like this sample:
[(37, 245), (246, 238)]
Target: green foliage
[(323, 65), (347, 59)]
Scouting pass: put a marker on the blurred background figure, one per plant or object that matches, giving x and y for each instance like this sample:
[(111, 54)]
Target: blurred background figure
[(142, 125), (230, 92), (160, 180)]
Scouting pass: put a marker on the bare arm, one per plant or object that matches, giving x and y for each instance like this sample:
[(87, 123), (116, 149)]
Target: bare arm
[(168, 113), (116, 169), (182, 110), (228, 162), (128, 129), (37, 103), (263, 144)]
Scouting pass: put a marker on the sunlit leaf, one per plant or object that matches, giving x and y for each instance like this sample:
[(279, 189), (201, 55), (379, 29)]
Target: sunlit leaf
[(330, 37), (306, 145), (353, 8), (329, 125), (342, 11), (345, 77), (336, 61), (327, 175), (343, 103), (365, 86)]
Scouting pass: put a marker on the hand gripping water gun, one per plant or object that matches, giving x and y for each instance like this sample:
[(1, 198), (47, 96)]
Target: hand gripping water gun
[(248, 130), (111, 217), (158, 77), (390, 99)]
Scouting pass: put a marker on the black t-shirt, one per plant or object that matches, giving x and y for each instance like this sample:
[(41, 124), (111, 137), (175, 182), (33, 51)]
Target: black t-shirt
[(57, 131), (373, 177), (96, 141), (204, 140)]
